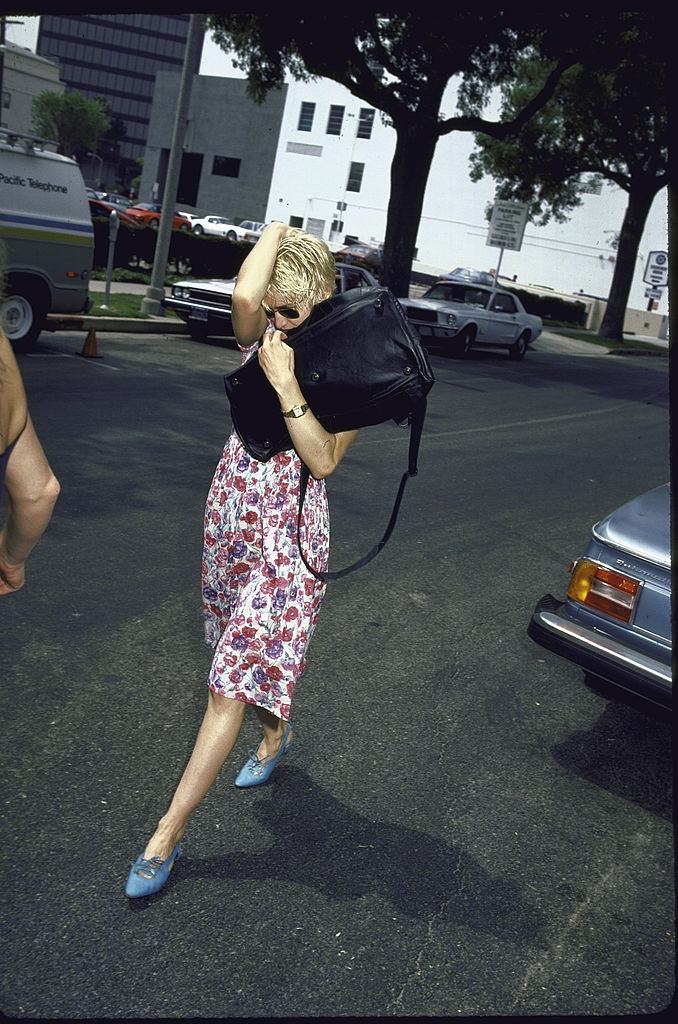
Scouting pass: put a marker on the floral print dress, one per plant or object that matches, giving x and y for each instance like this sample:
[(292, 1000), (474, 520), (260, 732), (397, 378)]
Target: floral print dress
[(260, 603)]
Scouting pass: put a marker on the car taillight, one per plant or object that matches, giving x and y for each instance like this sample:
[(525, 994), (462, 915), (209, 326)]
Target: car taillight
[(601, 588)]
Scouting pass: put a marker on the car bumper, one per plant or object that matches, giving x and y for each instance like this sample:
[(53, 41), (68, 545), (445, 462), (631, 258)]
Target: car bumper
[(217, 321), (599, 654), (428, 330)]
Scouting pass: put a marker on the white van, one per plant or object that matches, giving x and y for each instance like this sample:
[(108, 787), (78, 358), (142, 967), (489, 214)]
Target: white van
[(46, 236)]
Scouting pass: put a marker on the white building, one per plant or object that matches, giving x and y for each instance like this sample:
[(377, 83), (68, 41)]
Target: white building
[(316, 169)]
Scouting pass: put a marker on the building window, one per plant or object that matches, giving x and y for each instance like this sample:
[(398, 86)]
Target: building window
[(226, 166), (306, 117), (296, 222), (6, 99), (304, 149), (355, 177), (365, 123), (334, 121)]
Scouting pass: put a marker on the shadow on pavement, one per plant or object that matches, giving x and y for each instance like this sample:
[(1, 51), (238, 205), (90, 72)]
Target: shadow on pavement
[(321, 844), (627, 751)]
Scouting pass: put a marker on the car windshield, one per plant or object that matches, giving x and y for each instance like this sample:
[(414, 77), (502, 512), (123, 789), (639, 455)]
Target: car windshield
[(464, 294)]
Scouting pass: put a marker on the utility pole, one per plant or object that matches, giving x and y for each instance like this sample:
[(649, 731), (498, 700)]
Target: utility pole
[(156, 290)]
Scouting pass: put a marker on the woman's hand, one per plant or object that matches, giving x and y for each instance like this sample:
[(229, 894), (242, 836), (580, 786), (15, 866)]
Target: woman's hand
[(277, 361)]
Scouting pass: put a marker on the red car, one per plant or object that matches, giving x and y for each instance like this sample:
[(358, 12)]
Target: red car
[(360, 254), (148, 214), (100, 209)]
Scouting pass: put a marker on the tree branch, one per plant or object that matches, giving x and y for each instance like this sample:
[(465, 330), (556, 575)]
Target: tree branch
[(502, 129)]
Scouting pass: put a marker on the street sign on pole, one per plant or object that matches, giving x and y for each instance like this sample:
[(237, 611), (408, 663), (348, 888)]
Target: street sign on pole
[(653, 293), (657, 269), (507, 225)]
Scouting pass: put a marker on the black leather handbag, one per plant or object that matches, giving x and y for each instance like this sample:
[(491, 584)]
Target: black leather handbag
[(359, 362)]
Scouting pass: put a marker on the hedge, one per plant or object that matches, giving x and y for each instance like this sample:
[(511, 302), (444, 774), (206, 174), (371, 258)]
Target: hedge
[(200, 255), (551, 307)]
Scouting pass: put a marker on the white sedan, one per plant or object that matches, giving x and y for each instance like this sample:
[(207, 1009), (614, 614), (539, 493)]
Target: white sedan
[(459, 316), (220, 227)]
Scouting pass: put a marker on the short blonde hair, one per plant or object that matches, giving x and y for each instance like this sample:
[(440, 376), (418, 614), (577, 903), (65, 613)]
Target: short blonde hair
[(304, 269)]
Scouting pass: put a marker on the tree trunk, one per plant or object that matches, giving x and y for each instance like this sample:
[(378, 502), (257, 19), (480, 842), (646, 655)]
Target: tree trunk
[(415, 146), (640, 201)]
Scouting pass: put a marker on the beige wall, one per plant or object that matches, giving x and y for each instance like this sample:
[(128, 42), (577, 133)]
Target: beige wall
[(25, 75)]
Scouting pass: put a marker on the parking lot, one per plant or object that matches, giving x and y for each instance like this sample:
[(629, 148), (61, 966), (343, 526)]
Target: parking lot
[(463, 827)]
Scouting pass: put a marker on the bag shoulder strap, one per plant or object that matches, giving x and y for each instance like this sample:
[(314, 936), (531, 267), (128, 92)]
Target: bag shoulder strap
[(416, 419)]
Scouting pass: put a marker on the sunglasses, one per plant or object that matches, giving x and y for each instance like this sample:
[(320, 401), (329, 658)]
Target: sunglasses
[(287, 311)]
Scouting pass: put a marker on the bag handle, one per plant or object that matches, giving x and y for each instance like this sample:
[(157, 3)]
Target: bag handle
[(416, 418)]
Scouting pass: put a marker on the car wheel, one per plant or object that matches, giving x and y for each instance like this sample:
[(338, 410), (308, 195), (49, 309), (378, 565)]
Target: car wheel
[(22, 314), (154, 223), (198, 229), (231, 236), (519, 347), (461, 345), (185, 227)]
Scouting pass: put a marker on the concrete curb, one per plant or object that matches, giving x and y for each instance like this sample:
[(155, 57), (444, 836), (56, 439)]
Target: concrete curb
[(638, 352), (125, 325)]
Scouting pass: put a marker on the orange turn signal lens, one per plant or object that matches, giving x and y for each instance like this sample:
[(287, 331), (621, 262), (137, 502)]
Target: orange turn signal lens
[(601, 588)]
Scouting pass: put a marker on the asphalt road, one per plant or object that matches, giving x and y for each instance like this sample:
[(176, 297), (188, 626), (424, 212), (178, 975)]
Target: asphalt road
[(463, 827)]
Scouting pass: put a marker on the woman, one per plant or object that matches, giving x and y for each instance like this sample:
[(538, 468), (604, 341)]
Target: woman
[(260, 603), (30, 486)]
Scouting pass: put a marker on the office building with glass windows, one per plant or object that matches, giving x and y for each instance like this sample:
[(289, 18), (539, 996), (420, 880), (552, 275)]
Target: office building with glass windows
[(116, 57)]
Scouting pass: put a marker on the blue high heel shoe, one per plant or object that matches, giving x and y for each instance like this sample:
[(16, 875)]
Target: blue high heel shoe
[(254, 771), (149, 876)]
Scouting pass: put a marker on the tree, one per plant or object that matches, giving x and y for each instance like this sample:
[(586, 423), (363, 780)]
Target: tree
[(612, 123), (401, 65), (72, 119)]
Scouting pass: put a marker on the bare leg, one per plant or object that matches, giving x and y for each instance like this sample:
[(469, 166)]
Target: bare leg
[(214, 742), (274, 730)]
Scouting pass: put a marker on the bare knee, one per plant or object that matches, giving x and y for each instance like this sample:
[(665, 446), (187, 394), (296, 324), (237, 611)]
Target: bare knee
[(226, 707)]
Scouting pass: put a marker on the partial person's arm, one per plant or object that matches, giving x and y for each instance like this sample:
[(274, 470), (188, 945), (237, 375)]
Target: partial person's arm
[(249, 319), (320, 450), (32, 491)]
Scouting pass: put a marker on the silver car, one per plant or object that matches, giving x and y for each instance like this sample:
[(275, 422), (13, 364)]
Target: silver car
[(461, 315), (615, 621)]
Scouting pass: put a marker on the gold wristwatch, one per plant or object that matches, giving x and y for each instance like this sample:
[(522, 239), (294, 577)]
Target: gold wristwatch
[(296, 411)]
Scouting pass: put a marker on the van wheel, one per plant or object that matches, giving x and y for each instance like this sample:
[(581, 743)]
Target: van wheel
[(519, 347), (23, 314)]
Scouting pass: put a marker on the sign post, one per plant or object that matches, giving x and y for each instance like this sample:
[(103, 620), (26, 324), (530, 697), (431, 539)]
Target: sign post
[(656, 275), (506, 230)]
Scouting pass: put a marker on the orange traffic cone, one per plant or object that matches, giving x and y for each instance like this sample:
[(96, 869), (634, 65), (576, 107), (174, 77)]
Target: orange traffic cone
[(89, 349)]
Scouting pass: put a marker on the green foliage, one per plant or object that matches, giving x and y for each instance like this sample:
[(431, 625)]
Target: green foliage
[(203, 255), (611, 122), (73, 120)]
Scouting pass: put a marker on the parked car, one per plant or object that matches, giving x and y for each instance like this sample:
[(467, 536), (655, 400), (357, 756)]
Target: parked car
[(468, 274), (205, 306), (460, 316), (116, 199), (250, 230), (92, 193), (148, 214), (100, 208), (220, 227), (361, 254), (615, 621)]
